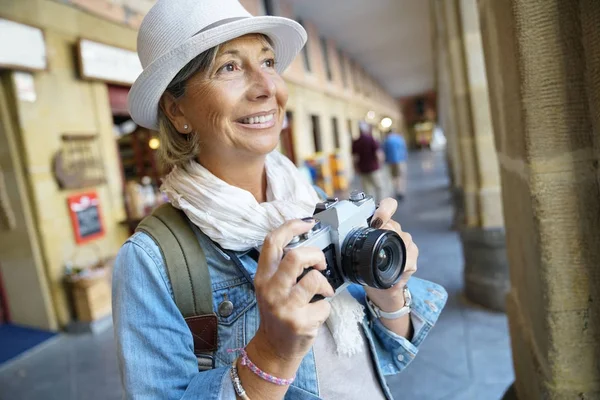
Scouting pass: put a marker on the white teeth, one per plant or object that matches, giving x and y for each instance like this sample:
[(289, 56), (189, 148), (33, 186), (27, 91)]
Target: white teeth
[(258, 120)]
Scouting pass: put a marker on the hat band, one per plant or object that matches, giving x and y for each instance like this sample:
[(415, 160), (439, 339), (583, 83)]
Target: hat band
[(219, 23)]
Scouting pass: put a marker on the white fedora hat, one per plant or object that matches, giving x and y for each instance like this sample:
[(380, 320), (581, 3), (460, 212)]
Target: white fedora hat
[(174, 32)]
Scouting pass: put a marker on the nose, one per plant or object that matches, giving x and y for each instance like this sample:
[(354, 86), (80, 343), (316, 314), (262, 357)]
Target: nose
[(262, 85)]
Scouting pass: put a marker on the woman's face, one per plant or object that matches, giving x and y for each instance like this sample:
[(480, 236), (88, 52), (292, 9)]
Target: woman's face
[(237, 106)]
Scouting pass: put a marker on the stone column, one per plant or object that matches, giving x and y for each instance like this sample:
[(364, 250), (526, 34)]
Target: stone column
[(543, 64), (447, 112), (482, 231)]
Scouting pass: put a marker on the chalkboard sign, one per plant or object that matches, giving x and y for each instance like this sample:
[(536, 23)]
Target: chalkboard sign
[(86, 217)]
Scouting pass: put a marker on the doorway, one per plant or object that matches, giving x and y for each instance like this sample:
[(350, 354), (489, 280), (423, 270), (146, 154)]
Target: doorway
[(336, 133), (287, 137), (141, 172), (316, 131)]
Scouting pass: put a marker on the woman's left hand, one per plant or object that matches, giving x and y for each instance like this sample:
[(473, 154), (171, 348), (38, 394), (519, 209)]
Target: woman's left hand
[(392, 299)]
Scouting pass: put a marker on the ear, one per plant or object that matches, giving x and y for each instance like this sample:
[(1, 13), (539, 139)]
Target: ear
[(172, 109)]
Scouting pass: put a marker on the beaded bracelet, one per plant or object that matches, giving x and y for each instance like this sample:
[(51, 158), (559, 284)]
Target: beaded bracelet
[(237, 382), (260, 373)]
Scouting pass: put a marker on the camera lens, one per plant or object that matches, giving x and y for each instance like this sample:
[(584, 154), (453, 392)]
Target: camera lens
[(382, 260), (374, 257)]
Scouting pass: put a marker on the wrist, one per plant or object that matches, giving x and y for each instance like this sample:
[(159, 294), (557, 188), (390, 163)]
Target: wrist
[(389, 304), (392, 307), (387, 300), (267, 359)]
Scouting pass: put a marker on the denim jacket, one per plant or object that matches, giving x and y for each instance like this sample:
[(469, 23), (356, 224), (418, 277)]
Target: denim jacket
[(155, 346)]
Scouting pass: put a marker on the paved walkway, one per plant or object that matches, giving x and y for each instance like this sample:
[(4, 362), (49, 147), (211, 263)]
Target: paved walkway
[(466, 356)]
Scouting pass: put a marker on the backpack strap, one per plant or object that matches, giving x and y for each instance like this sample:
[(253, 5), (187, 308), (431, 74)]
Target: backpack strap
[(188, 272)]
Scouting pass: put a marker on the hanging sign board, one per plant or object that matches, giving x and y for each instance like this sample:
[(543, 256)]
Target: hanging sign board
[(22, 47), (98, 61), (85, 216)]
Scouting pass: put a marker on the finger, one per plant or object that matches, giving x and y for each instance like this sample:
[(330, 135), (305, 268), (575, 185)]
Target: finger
[(318, 312), (310, 285), (413, 256), (393, 226), (295, 262), (272, 249), (384, 213), (405, 236)]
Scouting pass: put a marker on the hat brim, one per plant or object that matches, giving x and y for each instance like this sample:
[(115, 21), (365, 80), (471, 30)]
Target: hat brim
[(288, 38)]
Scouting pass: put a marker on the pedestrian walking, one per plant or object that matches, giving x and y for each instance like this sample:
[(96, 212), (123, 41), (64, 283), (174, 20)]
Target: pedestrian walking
[(367, 156), (396, 155)]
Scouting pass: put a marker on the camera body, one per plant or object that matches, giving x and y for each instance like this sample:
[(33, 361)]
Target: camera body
[(355, 252)]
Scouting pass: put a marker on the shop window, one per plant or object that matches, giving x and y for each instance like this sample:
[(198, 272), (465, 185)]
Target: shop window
[(268, 6), (336, 133), (357, 79), (326, 59), (316, 131), (306, 52), (138, 156), (349, 122), (343, 68)]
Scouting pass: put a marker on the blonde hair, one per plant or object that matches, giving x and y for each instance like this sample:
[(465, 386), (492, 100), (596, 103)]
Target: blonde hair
[(177, 148)]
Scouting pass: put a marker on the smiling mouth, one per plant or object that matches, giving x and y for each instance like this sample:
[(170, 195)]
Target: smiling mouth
[(258, 120)]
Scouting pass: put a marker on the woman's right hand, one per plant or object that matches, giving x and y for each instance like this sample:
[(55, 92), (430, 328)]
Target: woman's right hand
[(289, 322)]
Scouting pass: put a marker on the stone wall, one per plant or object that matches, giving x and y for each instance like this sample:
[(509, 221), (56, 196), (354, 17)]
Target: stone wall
[(543, 67)]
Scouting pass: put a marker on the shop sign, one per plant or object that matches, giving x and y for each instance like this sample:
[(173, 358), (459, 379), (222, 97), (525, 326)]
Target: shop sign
[(22, 47), (78, 163), (98, 61), (86, 218)]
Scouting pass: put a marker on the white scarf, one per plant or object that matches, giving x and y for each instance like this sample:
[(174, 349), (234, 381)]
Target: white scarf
[(234, 219)]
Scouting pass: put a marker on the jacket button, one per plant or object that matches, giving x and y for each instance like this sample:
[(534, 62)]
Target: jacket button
[(400, 357), (225, 308)]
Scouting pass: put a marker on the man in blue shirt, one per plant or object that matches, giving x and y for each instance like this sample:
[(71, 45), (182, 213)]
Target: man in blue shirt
[(396, 154)]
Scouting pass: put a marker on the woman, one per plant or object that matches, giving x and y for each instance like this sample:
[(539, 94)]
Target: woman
[(212, 87)]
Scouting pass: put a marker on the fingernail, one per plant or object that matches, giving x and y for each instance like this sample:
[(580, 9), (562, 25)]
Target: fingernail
[(308, 219), (376, 223)]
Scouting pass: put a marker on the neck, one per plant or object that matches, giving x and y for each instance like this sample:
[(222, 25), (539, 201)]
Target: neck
[(248, 174)]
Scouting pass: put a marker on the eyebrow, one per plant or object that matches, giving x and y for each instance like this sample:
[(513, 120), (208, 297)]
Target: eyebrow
[(237, 53)]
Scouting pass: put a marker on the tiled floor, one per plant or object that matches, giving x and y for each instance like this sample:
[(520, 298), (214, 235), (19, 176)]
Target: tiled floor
[(466, 356)]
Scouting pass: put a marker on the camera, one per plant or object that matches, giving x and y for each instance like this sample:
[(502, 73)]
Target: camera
[(355, 252)]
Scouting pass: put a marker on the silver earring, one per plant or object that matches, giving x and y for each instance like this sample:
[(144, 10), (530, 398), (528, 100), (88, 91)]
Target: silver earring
[(185, 127)]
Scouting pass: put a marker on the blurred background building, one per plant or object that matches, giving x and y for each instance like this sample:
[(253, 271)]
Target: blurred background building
[(512, 85), (65, 121)]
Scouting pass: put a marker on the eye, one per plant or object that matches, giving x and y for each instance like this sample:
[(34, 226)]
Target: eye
[(229, 67), (270, 63)]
